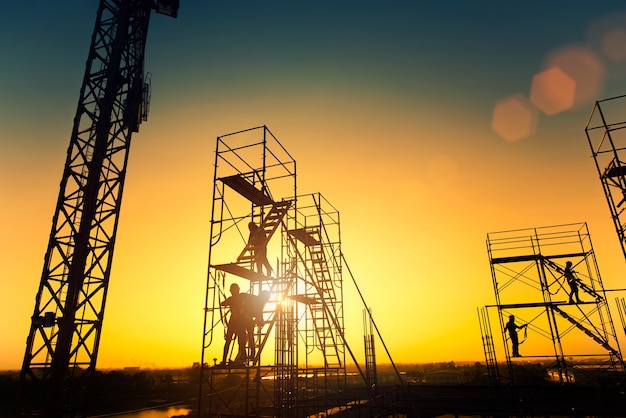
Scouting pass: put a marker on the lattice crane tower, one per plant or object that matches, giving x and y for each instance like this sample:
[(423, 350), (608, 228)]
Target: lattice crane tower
[(114, 100), (607, 139)]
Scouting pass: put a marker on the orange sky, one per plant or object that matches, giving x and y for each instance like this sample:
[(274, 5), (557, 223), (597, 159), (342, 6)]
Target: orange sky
[(395, 130)]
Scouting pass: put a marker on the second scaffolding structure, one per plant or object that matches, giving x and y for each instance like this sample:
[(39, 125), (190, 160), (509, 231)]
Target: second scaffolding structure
[(551, 304)]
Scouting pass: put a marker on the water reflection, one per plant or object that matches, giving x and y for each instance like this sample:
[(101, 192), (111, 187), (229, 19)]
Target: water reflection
[(168, 412)]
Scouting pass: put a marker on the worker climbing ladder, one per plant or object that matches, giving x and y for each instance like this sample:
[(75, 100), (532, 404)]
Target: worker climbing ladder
[(244, 266), (270, 223), (582, 285)]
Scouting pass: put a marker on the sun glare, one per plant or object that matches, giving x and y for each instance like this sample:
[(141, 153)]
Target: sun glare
[(552, 91), (514, 118), (613, 44), (584, 66)]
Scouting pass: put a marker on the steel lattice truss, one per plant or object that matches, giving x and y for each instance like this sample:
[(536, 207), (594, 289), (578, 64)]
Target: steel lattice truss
[(69, 309)]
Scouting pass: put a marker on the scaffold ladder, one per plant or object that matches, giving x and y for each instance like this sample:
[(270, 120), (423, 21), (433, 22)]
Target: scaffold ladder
[(322, 306), (270, 224), (603, 342)]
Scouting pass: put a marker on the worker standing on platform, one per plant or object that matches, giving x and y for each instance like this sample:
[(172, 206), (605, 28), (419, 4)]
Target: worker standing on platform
[(512, 328), (253, 310), (258, 241), (572, 281), (237, 323)]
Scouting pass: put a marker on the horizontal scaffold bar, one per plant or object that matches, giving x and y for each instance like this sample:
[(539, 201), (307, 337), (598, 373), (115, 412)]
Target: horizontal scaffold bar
[(534, 304), (534, 257)]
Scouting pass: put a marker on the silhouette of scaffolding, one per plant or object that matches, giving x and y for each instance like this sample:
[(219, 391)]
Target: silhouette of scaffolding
[(606, 133), (370, 353), (577, 341), (297, 364), (491, 361), (313, 246)]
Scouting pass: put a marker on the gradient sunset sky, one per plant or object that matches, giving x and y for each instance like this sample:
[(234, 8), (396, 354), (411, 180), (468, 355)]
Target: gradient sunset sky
[(388, 109)]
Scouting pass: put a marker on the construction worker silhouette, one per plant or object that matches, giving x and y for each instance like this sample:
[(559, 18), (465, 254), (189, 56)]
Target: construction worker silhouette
[(258, 240), (253, 310), (512, 328), (237, 323), (572, 281)]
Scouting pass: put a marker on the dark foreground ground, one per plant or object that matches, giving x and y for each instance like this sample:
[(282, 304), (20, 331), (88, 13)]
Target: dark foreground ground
[(506, 401), (126, 390), (425, 401)]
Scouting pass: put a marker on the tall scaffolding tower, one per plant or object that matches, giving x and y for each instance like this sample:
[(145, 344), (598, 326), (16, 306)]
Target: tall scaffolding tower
[(530, 269), (606, 133), (296, 364)]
